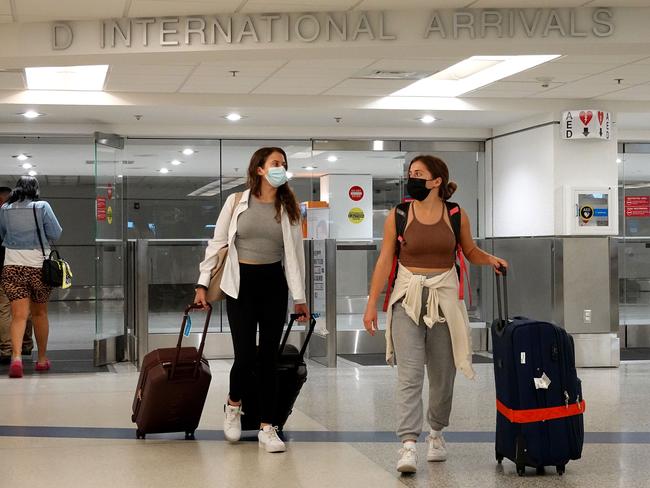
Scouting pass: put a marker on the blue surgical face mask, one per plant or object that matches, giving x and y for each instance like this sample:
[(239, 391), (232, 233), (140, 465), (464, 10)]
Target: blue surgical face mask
[(277, 176)]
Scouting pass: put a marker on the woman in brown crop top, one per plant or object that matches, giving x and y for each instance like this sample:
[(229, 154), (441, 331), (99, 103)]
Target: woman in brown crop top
[(427, 250)]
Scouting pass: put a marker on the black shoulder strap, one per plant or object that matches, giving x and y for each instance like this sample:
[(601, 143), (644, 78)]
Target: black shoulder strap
[(401, 219), (38, 230), (453, 209)]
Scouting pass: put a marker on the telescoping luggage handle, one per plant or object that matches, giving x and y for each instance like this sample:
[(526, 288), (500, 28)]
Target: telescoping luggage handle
[(502, 297), (186, 316), (312, 325)]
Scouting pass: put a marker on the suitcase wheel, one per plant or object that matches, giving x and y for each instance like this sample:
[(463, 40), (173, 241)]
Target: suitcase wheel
[(560, 470), (139, 434), (189, 436), (541, 471), (521, 469), (499, 458)]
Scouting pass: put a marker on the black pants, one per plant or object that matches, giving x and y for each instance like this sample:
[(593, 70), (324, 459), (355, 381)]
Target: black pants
[(263, 296)]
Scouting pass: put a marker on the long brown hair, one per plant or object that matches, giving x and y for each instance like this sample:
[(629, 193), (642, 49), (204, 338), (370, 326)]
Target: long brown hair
[(438, 169), (284, 198)]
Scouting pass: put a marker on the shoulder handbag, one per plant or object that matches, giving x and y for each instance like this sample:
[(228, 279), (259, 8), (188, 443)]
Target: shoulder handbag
[(215, 293), (55, 272)]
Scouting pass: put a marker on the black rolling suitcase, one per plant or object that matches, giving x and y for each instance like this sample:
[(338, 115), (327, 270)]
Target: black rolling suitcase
[(172, 387), (540, 405), (292, 374)]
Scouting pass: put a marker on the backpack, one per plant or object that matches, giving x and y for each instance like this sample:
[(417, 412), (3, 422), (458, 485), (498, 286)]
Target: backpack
[(401, 219)]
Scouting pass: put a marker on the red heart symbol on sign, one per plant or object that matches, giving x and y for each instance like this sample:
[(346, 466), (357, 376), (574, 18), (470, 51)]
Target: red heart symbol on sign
[(601, 117), (586, 117)]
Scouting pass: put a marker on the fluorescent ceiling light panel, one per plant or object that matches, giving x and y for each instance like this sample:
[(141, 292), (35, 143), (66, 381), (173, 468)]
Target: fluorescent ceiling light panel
[(471, 74), (73, 78)]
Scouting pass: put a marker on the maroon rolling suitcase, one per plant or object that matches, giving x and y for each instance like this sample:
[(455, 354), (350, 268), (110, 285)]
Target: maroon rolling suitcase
[(172, 388)]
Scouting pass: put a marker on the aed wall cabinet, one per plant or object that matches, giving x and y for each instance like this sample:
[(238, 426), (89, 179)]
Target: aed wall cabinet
[(589, 211)]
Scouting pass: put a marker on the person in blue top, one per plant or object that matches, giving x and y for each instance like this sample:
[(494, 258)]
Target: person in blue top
[(22, 218)]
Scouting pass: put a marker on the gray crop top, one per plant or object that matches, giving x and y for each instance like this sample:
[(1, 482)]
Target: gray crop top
[(259, 236)]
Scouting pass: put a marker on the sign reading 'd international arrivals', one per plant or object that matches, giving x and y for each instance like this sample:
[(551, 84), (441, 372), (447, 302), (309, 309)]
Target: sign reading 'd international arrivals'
[(204, 30), (586, 124)]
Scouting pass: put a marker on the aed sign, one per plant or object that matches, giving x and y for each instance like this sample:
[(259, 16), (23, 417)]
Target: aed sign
[(586, 124)]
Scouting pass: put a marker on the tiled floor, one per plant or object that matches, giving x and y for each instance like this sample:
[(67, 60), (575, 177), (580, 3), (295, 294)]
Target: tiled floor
[(341, 434)]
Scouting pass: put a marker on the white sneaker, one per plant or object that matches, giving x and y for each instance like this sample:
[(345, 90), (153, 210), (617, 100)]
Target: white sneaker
[(232, 422), (408, 460), (437, 447), (270, 440)]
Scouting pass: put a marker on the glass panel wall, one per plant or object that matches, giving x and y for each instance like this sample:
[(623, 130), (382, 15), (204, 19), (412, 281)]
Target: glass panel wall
[(634, 244)]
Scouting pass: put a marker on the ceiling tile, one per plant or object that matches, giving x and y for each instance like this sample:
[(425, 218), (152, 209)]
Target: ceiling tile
[(167, 8), (297, 86), (615, 59), (144, 82), (263, 6), (210, 84), (47, 10), (368, 87), (421, 64), (11, 81), (561, 72), (313, 68), (150, 70), (639, 92), (509, 89), (222, 69), (578, 90), (6, 19)]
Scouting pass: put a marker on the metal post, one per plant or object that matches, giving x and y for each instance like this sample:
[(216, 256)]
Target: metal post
[(331, 312), (142, 299)]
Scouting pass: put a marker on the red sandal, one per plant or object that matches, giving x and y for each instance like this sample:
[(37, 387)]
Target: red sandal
[(43, 367), (16, 369)]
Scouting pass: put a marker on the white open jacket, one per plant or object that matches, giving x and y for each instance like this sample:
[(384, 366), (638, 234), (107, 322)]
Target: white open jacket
[(443, 294), (225, 232)]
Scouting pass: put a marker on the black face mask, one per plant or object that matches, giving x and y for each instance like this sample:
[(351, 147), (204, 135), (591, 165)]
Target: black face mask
[(417, 188)]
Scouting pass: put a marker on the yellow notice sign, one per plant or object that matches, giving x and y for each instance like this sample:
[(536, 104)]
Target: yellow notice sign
[(109, 215), (356, 215)]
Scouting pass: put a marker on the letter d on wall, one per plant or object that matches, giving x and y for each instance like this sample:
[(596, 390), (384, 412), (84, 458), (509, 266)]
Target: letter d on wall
[(61, 36)]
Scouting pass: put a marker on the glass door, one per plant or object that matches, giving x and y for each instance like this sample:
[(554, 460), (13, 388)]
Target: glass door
[(112, 338)]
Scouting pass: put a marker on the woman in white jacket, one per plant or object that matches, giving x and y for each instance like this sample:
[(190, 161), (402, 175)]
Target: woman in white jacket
[(427, 320), (266, 261)]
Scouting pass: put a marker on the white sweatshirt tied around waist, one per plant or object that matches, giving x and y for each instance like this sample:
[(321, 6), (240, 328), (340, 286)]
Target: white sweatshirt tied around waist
[(443, 295)]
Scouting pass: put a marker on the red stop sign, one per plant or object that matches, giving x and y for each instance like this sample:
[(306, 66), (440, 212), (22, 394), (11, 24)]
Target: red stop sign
[(356, 193)]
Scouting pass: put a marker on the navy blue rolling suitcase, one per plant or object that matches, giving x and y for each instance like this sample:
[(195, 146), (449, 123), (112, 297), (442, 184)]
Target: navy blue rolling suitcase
[(540, 405)]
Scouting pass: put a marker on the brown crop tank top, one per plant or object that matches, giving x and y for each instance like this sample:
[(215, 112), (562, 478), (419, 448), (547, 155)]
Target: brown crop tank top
[(428, 246)]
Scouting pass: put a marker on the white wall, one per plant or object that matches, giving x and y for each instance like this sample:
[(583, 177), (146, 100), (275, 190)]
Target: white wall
[(523, 183), (586, 164)]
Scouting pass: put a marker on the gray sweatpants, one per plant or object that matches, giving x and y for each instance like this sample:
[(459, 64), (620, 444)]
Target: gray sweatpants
[(417, 346)]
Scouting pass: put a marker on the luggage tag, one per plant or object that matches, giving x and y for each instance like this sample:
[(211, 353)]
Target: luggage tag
[(188, 326), (542, 383)]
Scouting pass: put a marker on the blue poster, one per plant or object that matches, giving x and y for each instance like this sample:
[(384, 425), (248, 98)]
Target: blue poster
[(601, 212)]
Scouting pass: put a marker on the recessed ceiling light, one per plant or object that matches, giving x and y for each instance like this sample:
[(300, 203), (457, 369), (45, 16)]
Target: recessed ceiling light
[(31, 114), (120, 176), (427, 119), (176, 162), (234, 117), (76, 78), (163, 171), (470, 74), (32, 173), (309, 168), (21, 157), (377, 145), (27, 166), (619, 160), (332, 159), (289, 174), (188, 151)]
